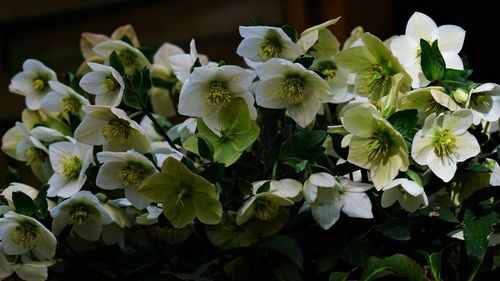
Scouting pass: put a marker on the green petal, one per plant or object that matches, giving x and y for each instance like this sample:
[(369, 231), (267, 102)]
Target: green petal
[(179, 212), (208, 210), (235, 117), (355, 59), (156, 188), (242, 141)]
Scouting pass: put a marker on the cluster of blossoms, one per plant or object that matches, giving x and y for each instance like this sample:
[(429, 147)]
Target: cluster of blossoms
[(255, 146)]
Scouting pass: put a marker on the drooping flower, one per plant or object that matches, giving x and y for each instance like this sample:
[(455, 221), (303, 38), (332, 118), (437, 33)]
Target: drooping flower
[(484, 102), (21, 234), (409, 194), (84, 211), (377, 71), (33, 82), (162, 67), (112, 128), (129, 56), (26, 189), (310, 36), (64, 101), (183, 130), (69, 161), (374, 144), (105, 83), (125, 170), (24, 268), (327, 197), (210, 89), (407, 47), (183, 63), (261, 43), (289, 85), (444, 141), (184, 195), (265, 205)]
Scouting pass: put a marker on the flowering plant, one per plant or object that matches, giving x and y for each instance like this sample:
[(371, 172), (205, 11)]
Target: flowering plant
[(320, 160)]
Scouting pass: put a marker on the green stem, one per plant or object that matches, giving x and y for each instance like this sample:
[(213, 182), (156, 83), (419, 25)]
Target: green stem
[(486, 127)]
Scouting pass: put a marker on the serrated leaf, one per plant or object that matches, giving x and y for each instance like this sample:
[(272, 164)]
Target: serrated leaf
[(433, 65), (23, 204)]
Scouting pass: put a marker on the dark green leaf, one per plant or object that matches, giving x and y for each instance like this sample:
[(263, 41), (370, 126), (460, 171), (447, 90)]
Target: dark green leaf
[(23, 203), (291, 32), (396, 265), (145, 84), (11, 175), (127, 40), (476, 232), (303, 145), (433, 65), (196, 64), (204, 149), (434, 260), (265, 187), (287, 272), (405, 122), (130, 99), (395, 229), (116, 63), (286, 246), (358, 251), (338, 276), (256, 21), (40, 202), (305, 60)]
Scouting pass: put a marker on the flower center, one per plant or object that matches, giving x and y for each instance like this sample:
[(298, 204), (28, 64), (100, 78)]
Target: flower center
[(71, 105), (117, 129), (379, 78), (24, 235), (69, 166), (127, 57), (379, 144), (132, 174), (444, 143), (34, 154), (480, 100), (80, 213), (111, 83), (435, 107), (265, 209), (292, 90), (217, 94), (183, 194), (271, 46), (39, 84), (328, 69)]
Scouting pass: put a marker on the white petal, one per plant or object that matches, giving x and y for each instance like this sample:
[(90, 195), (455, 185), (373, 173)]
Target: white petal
[(458, 122), (246, 211), (412, 187), (422, 150), (467, 147), (443, 168), (357, 205), (421, 26), (325, 215), (72, 187), (136, 199), (89, 231), (405, 49), (389, 197), (286, 188), (248, 48), (267, 93), (303, 114), (107, 177), (451, 38), (191, 100), (310, 192), (322, 179), (453, 60), (352, 186)]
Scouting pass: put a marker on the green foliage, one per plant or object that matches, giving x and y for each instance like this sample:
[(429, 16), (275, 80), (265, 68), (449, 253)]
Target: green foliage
[(433, 65), (395, 265)]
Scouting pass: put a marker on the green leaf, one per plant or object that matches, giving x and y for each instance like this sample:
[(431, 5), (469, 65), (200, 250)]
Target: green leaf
[(434, 260), (338, 276), (40, 202), (395, 229), (286, 246), (204, 149), (227, 234), (130, 99), (476, 232), (396, 265), (11, 175), (291, 32), (433, 65), (116, 63), (405, 122), (303, 145), (23, 203), (358, 251), (305, 60)]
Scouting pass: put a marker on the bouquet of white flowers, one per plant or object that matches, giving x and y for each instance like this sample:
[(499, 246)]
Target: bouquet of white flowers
[(169, 166)]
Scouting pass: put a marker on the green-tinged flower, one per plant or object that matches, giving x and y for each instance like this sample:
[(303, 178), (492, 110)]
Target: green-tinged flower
[(184, 195), (105, 83), (84, 212), (69, 161), (265, 205), (289, 85), (125, 170), (33, 82), (375, 68), (444, 141), (261, 43), (427, 101), (26, 189), (21, 234), (237, 134), (409, 194), (375, 145), (63, 101), (484, 102), (327, 197), (320, 38), (23, 266), (112, 128), (130, 57)]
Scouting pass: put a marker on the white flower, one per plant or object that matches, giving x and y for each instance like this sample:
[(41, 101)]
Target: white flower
[(69, 160), (105, 83), (33, 82), (210, 89), (443, 141), (21, 234), (484, 102), (409, 194), (183, 130), (162, 151), (182, 63), (311, 35), (407, 47), (261, 43), (25, 268), (289, 85), (112, 128), (327, 197), (495, 174), (150, 130), (161, 60), (265, 205), (129, 56), (150, 216), (84, 212), (26, 189), (125, 170), (63, 100)]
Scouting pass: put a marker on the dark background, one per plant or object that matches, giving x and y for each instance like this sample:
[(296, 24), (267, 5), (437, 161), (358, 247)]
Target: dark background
[(50, 30)]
